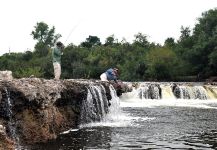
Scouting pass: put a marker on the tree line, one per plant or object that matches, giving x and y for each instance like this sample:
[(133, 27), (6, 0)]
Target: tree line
[(194, 54)]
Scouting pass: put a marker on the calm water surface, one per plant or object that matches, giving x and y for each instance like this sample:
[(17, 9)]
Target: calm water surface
[(154, 124)]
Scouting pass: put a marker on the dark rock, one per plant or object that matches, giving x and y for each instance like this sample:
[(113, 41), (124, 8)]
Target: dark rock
[(39, 109)]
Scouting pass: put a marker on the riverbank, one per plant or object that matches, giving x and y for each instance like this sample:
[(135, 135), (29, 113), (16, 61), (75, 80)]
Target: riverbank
[(36, 110)]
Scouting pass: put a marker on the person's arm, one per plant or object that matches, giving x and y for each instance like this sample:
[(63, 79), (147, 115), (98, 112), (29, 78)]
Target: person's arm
[(115, 78)]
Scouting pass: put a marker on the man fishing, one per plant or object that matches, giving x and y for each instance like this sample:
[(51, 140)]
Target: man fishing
[(57, 51), (110, 74)]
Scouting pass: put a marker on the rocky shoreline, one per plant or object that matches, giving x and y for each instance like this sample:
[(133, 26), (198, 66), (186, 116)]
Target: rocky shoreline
[(36, 110)]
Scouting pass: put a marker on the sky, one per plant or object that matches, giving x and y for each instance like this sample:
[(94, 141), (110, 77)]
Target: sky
[(75, 20)]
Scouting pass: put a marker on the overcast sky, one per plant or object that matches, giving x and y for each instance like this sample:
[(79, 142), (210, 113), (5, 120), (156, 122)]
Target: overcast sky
[(159, 19)]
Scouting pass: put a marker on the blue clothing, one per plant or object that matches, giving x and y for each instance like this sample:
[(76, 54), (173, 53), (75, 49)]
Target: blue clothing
[(110, 75)]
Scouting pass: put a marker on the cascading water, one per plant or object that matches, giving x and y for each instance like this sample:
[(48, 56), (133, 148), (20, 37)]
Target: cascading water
[(95, 107), (161, 121), (11, 122), (149, 91), (114, 109), (8, 106), (97, 110), (172, 91), (190, 92), (200, 93)]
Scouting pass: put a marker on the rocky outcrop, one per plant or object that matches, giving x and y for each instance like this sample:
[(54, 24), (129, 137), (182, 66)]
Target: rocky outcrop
[(5, 142), (6, 75), (36, 110)]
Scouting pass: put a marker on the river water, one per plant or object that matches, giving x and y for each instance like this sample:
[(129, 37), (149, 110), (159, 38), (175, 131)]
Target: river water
[(146, 124)]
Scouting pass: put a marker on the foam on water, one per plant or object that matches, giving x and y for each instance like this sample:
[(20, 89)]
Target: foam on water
[(115, 116), (206, 104), (70, 130), (124, 121)]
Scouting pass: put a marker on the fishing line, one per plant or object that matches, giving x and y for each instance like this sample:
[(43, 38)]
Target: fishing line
[(73, 29)]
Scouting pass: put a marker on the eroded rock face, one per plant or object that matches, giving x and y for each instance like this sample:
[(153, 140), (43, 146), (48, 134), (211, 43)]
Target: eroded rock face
[(36, 110), (5, 142)]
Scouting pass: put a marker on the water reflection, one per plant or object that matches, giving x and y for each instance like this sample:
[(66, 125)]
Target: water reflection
[(86, 138), (207, 138)]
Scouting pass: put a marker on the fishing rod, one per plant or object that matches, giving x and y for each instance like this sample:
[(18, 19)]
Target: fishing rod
[(72, 30)]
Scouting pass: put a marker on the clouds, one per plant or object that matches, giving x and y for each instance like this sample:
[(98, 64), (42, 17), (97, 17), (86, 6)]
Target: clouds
[(158, 19)]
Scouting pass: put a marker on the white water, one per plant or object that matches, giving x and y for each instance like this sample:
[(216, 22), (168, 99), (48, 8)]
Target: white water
[(135, 122), (11, 123), (114, 117), (206, 104), (191, 96), (138, 99), (94, 107)]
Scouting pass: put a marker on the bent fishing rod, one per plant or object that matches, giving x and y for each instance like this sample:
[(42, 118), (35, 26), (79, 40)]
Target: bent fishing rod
[(72, 30)]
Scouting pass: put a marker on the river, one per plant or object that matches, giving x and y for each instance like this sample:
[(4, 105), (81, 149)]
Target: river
[(136, 123)]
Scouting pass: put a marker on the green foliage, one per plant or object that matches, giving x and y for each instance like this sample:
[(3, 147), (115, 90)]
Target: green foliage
[(91, 41), (213, 62), (141, 40), (195, 52), (197, 49), (73, 62), (41, 49), (161, 64), (170, 43), (28, 55), (46, 38), (27, 72), (109, 40)]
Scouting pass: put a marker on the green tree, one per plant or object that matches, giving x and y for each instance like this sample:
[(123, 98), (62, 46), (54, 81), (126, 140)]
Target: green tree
[(141, 40), (91, 41), (46, 38), (161, 64), (204, 44), (170, 43), (110, 41)]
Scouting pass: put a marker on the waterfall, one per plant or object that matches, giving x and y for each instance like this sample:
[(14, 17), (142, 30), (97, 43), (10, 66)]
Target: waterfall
[(95, 107), (149, 91), (200, 93), (8, 107), (11, 123), (166, 90), (114, 109), (190, 92), (211, 92)]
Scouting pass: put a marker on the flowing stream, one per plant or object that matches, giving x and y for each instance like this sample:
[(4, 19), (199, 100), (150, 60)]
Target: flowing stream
[(161, 116), (11, 123)]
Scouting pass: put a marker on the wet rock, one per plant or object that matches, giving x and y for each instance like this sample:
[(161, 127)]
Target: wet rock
[(39, 109), (122, 87), (5, 142), (150, 91), (176, 90)]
